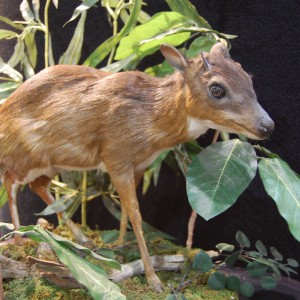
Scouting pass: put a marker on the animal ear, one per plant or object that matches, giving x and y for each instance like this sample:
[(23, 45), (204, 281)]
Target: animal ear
[(174, 57)]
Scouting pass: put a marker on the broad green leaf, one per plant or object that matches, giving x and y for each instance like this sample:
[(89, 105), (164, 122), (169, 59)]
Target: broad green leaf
[(83, 271), (73, 53), (218, 175), (7, 34), (160, 23), (261, 248), (104, 49), (283, 185), (83, 7), (202, 262), (187, 9), (217, 281), (242, 239), (269, 282), (247, 289), (26, 12), (233, 283), (256, 269), (225, 247)]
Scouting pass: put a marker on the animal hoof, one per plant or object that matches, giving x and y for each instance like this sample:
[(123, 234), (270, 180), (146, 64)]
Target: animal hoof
[(156, 284)]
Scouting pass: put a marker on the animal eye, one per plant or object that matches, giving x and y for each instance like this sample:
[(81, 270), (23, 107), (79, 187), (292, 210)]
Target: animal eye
[(217, 91)]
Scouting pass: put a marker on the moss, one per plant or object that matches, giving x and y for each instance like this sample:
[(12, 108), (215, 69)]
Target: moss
[(40, 289), (134, 288)]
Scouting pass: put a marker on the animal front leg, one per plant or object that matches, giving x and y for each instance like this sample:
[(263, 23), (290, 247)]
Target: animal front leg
[(126, 189), (41, 186), (124, 216)]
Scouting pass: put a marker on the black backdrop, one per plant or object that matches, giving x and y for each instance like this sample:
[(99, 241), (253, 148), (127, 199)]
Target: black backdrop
[(268, 47)]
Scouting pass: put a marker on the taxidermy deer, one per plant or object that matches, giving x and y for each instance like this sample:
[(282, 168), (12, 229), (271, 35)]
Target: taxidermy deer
[(80, 118)]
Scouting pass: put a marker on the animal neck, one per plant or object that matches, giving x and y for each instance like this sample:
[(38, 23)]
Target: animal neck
[(171, 111)]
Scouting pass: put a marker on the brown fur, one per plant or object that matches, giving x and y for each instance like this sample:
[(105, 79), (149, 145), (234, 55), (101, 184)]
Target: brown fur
[(75, 117)]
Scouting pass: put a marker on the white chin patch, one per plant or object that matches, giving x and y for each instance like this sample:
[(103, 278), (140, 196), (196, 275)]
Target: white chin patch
[(196, 127)]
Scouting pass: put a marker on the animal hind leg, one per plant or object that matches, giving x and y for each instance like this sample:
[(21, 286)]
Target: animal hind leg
[(12, 188), (41, 186)]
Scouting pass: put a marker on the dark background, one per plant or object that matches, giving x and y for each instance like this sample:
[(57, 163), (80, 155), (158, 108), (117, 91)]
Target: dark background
[(268, 47)]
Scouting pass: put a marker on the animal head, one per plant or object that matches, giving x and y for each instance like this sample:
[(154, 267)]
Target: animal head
[(221, 93)]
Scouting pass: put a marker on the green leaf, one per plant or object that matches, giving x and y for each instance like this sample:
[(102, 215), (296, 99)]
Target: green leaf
[(31, 48), (225, 247), (73, 53), (11, 23), (186, 8), (276, 254), (11, 72), (292, 262), (7, 34), (26, 12), (200, 44), (6, 88), (110, 236), (242, 239), (218, 175), (247, 289), (269, 282), (256, 269), (18, 53), (231, 259), (86, 4), (36, 9), (104, 49), (217, 281), (110, 262), (233, 283), (3, 194), (282, 184), (261, 248), (89, 275), (202, 262), (146, 38)]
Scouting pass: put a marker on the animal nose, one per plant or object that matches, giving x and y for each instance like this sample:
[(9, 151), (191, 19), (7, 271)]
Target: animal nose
[(266, 127)]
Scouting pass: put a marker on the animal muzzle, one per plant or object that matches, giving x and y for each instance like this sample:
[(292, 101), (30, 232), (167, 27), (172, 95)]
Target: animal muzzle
[(265, 127)]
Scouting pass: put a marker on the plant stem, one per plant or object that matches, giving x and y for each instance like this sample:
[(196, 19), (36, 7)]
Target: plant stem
[(46, 20), (83, 198)]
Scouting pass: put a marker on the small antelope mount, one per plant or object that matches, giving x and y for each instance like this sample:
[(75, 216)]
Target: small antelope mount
[(79, 118)]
